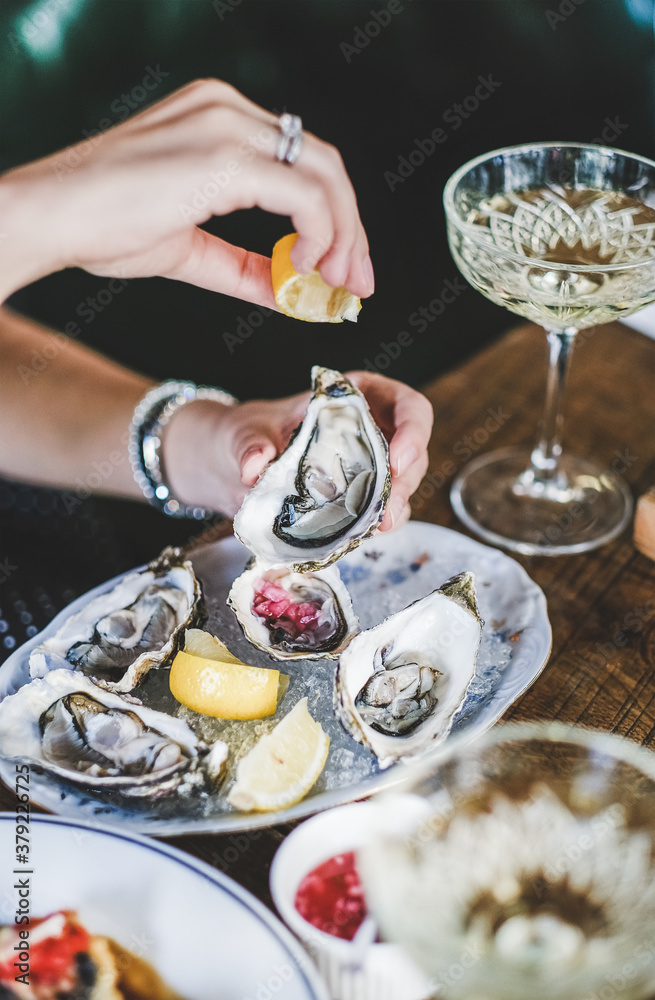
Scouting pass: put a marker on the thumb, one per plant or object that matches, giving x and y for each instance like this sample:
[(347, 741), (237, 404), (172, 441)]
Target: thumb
[(210, 262), (255, 455)]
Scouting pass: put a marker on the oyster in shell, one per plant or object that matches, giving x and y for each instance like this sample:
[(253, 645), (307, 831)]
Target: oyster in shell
[(327, 491), (120, 635), (73, 729), (399, 684), (294, 615)]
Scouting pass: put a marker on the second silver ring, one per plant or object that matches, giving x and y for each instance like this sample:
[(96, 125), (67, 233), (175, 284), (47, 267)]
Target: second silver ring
[(290, 141)]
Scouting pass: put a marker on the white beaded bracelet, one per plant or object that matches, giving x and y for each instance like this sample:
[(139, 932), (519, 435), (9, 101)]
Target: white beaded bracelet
[(151, 415)]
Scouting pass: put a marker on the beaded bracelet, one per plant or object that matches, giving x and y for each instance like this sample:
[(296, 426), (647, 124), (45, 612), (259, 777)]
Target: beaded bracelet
[(151, 415)]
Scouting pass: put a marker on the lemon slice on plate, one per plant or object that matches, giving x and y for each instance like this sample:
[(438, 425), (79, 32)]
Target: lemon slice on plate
[(202, 643), (282, 767), (220, 685), (306, 296)]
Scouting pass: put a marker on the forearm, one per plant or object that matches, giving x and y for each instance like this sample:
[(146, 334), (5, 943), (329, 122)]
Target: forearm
[(29, 222), (65, 410)]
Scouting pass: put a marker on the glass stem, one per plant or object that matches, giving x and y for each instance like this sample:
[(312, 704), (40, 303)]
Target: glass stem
[(546, 453)]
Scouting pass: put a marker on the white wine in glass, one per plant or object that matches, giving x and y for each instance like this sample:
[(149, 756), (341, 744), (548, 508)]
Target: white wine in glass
[(564, 235), (522, 866)]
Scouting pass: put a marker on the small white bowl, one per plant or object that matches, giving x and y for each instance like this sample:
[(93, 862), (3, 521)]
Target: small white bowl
[(377, 971)]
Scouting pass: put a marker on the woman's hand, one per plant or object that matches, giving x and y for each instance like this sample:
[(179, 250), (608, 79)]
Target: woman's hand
[(405, 418), (66, 411), (132, 203), (232, 445)]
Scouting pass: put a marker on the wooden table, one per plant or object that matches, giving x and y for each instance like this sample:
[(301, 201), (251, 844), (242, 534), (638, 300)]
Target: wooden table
[(601, 604)]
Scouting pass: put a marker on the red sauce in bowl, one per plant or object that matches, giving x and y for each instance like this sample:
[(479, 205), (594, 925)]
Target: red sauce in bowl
[(331, 897)]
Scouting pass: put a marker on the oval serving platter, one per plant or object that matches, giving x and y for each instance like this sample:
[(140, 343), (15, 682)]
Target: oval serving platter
[(385, 574)]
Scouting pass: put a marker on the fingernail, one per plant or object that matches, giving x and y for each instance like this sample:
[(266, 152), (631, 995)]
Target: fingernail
[(396, 507), (250, 466), (255, 449), (405, 460), (339, 267), (368, 274), (302, 258)]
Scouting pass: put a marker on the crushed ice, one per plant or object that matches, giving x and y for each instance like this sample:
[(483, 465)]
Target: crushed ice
[(381, 582)]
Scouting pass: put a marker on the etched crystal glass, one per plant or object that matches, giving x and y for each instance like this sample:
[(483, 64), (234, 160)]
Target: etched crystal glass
[(564, 235), (522, 866)]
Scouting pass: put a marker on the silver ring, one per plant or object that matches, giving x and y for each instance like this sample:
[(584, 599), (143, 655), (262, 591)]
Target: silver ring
[(290, 140)]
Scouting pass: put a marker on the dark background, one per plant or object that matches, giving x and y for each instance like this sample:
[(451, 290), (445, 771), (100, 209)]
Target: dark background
[(561, 69)]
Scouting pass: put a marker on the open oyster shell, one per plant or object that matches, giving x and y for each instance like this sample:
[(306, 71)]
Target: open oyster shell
[(294, 615), (327, 491), (120, 635), (398, 685), (72, 729)]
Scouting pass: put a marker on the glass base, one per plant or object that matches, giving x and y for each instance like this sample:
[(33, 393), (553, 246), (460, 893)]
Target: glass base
[(584, 507)]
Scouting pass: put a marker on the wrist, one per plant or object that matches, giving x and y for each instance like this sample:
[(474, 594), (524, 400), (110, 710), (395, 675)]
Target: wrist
[(28, 241), (190, 453)]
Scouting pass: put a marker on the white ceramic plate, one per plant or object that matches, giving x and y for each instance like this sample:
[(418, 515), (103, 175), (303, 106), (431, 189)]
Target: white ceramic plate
[(384, 575), (205, 935)]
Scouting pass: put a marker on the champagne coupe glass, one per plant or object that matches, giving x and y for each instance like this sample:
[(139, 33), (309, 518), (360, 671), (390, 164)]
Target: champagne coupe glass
[(563, 234), (522, 865)]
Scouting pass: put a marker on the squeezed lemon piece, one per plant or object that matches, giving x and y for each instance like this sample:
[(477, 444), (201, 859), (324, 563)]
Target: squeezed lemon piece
[(306, 296)]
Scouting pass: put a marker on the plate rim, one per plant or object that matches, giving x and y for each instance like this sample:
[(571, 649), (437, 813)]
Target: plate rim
[(273, 924), (237, 822)]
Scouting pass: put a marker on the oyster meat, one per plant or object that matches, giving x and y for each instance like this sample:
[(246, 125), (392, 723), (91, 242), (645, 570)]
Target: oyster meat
[(294, 615), (328, 490), (73, 729), (399, 684), (122, 634)]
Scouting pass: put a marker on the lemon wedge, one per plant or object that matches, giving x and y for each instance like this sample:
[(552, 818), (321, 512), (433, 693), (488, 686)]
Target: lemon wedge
[(306, 296), (202, 643), (282, 767), (219, 684)]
